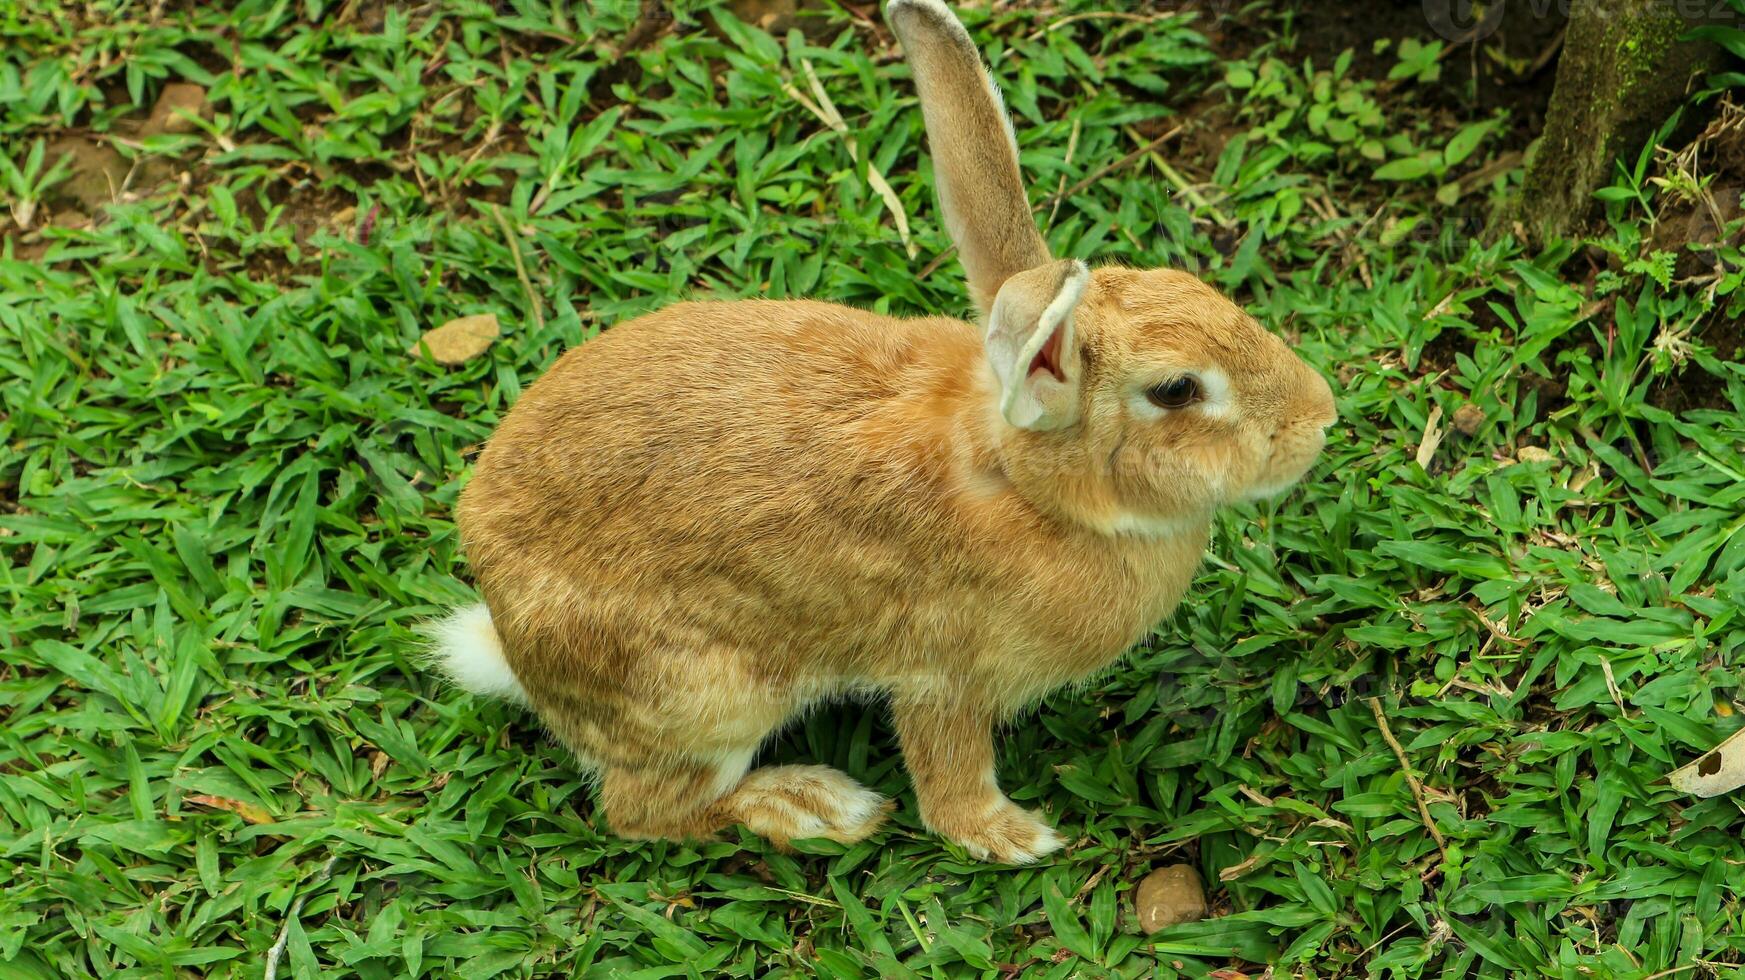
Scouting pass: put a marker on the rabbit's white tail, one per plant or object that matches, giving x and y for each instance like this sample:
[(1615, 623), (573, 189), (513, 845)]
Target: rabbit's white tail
[(465, 648)]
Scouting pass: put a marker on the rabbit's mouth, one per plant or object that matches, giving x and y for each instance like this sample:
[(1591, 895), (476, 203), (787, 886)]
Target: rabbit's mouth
[(1294, 451), (1267, 491)]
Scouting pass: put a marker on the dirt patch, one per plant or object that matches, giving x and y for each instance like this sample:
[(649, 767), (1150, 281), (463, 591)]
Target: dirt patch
[(1726, 334), (1695, 388), (1701, 214), (367, 17), (1442, 352), (778, 17), (1508, 64), (1208, 125), (1706, 186), (98, 176), (219, 57), (32, 245), (307, 209)]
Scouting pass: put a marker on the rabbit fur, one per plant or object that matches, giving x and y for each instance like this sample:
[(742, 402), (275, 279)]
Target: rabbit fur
[(709, 518)]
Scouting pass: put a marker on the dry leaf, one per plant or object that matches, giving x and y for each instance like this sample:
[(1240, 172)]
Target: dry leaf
[(1432, 437), (1256, 796), (1170, 896), (247, 811), (1612, 686), (459, 340), (1242, 867), (1721, 770), (1534, 454), (1579, 482)]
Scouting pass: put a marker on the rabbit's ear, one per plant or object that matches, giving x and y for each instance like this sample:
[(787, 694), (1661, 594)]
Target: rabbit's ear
[(1033, 348), (975, 156)]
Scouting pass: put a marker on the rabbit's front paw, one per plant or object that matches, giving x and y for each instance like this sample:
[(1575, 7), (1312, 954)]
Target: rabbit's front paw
[(1007, 835)]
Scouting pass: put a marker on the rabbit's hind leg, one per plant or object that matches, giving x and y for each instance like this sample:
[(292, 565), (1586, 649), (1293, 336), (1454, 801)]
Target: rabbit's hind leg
[(674, 754), (659, 778), (697, 800), (673, 799), (781, 803)]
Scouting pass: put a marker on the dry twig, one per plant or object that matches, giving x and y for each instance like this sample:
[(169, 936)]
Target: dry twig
[(1381, 720), (278, 949), (520, 267)]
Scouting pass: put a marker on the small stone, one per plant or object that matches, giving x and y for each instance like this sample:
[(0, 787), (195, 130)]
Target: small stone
[(1467, 419), (68, 218), (459, 340), (184, 96), (1534, 454), (774, 16), (1170, 896)]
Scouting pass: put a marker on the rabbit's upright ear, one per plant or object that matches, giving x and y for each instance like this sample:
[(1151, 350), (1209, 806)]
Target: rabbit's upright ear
[(975, 156), (1033, 348)]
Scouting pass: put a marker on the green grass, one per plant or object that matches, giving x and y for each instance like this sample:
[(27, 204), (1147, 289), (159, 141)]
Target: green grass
[(226, 494)]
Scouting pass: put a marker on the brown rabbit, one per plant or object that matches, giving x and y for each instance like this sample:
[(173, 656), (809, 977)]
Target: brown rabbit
[(713, 516)]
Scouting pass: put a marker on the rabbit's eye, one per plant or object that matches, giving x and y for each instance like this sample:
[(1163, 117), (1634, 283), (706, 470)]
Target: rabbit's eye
[(1179, 393)]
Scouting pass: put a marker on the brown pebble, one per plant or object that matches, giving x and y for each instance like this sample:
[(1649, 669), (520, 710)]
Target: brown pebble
[(774, 16), (185, 96), (1170, 896), (68, 218), (1467, 419)]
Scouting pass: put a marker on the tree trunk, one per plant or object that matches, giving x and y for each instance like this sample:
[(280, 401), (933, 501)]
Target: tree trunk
[(1622, 73)]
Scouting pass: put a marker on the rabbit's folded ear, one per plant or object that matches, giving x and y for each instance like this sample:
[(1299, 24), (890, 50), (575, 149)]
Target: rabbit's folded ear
[(975, 156), (1033, 348)]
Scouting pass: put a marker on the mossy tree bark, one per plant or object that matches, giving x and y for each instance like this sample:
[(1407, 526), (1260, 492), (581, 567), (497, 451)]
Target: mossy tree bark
[(1622, 73)]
